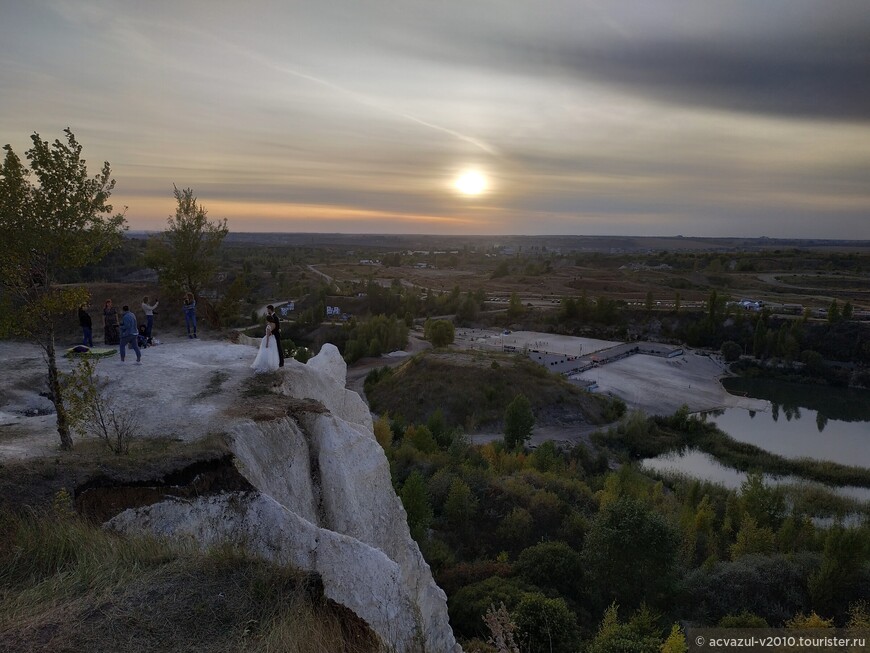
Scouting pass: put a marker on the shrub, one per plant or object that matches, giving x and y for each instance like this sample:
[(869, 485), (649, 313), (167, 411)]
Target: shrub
[(518, 422), (415, 499), (546, 625), (461, 505), (743, 619), (468, 606), (614, 410), (546, 458), (421, 438), (94, 409), (629, 553), (467, 573), (772, 587), (552, 565), (516, 529), (547, 511), (731, 351), (638, 635), (439, 332)]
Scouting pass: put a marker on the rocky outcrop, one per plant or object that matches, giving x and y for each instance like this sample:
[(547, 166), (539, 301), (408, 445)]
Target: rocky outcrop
[(323, 503)]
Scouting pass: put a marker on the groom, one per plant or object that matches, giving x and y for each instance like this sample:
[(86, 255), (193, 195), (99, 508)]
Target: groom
[(276, 332)]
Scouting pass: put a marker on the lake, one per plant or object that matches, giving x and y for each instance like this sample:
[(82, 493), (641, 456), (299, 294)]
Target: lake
[(698, 464), (805, 421)]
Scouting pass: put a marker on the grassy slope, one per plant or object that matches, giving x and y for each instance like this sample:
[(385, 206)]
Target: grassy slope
[(472, 393), (66, 585)]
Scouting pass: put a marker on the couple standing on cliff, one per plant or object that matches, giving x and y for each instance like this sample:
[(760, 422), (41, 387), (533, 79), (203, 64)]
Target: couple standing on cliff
[(271, 355)]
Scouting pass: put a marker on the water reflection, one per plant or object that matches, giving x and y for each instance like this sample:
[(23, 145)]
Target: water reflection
[(698, 464), (841, 404), (820, 422)]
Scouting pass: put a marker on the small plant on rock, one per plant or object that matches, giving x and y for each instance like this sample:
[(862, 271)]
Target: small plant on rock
[(95, 410)]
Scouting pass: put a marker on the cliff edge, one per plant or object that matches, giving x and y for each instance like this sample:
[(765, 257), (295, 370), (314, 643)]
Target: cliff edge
[(323, 502)]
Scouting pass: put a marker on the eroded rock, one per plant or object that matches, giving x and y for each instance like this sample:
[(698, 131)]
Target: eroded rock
[(324, 503)]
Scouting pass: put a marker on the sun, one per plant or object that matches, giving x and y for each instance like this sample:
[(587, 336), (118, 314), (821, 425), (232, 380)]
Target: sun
[(471, 182)]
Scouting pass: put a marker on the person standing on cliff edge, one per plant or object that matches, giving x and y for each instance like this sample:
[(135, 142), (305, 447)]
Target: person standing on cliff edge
[(272, 317)]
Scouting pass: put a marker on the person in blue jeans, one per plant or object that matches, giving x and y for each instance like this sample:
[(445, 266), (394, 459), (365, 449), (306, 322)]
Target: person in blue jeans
[(129, 334), (189, 307), (149, 309), (86, 324)]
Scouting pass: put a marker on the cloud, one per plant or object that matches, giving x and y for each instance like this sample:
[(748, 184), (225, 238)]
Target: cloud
[(793, 59), (800, 80)]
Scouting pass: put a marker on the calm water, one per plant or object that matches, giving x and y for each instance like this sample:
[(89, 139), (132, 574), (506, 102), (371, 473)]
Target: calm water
[(803, 422), (698, 464)]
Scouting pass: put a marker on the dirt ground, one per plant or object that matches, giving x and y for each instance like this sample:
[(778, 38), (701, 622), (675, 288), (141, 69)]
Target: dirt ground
[(179, 391)]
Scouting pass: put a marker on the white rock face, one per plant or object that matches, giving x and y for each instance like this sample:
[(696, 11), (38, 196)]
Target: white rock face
[(324, 503)]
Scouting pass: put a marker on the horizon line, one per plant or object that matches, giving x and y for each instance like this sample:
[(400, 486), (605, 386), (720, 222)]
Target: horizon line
[(520, 235)]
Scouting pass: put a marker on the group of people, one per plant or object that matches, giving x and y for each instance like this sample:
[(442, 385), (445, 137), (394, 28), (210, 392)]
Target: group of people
[(124, 330)]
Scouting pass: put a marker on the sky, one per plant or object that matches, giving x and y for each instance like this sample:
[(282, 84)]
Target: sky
[(623, 117)]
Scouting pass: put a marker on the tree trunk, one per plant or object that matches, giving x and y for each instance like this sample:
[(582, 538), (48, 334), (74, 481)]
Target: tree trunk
[(57, 394)]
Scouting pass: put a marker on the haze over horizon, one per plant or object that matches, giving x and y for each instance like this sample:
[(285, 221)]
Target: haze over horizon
[(491, 117)]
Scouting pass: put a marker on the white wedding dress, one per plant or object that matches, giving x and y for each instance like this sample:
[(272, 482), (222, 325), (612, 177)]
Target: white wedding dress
[(267, 356)]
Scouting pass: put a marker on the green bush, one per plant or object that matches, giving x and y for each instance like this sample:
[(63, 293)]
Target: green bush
[(546, 625), (743, 619), (731, 350), (467, 607), (518, 422), (552, 565), (772, 587), (439, 332), (415, 499), (630, 552)]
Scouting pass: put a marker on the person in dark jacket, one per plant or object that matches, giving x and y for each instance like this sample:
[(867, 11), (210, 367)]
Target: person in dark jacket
[(189, 307), (129, 335), (110, 324), (87, 325), (276, 332)]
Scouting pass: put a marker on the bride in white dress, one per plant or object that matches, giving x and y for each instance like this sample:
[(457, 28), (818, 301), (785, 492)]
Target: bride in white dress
[(267, 356)]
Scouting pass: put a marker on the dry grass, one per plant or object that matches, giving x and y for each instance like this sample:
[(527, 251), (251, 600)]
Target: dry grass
[(68, 586)]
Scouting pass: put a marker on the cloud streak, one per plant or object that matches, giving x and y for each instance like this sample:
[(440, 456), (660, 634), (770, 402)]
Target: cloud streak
[(624, 116)]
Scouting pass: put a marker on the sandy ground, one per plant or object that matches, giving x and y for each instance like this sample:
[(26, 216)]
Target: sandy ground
[(661, 385), (176, 378), (492, 340), (655, 385)]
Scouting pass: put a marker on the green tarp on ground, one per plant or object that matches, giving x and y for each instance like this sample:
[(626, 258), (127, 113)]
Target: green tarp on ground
[(100, 352)]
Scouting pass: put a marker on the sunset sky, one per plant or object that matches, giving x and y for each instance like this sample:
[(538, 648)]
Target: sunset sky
[(693, 117)]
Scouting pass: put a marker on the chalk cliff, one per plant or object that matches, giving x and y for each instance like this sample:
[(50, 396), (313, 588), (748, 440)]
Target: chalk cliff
[(323, 503)]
